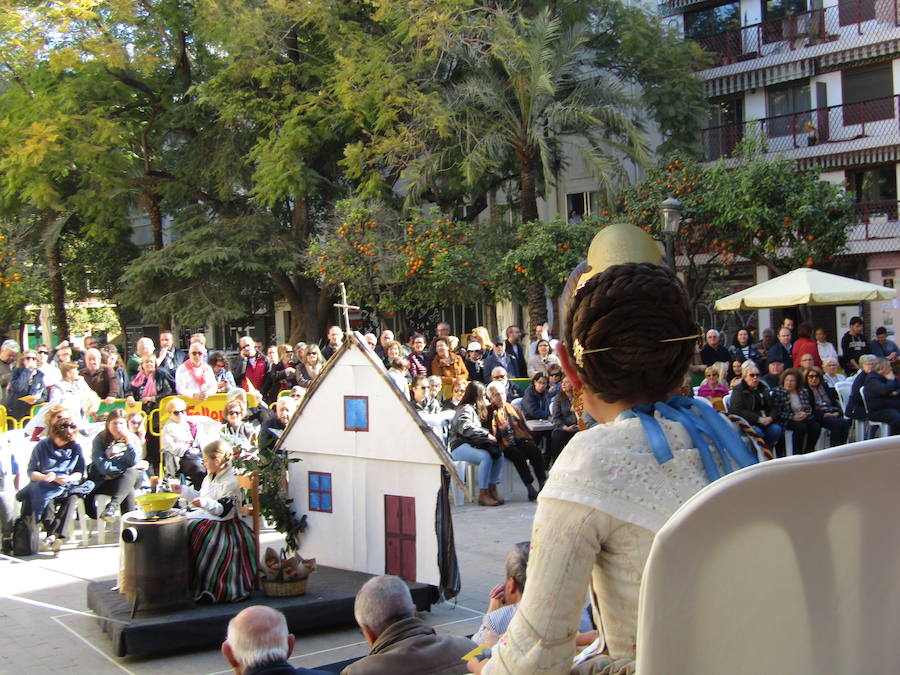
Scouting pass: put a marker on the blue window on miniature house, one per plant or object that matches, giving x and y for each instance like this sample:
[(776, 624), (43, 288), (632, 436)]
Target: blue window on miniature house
[(356, 413), (319, 491)]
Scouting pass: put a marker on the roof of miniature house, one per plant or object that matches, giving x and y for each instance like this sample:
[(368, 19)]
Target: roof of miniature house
[(354, 340)]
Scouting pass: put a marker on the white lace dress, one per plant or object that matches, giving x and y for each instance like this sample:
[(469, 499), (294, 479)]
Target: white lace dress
[(596, 518)]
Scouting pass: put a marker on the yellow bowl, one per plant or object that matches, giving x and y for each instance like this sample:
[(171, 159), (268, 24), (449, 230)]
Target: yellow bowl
[(156, 501)]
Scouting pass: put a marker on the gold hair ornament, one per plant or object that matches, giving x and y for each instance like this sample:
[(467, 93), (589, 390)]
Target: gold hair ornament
[(578, 351)]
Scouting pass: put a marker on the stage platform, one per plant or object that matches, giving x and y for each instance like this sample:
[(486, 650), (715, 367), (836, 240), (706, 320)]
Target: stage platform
[(327, 604)]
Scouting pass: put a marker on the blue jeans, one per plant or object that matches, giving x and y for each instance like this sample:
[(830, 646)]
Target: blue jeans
[(771, 433), (488, 467)]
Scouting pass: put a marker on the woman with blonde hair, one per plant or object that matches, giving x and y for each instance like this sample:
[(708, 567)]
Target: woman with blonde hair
[(481, 335), (311, 367), (223, 546)]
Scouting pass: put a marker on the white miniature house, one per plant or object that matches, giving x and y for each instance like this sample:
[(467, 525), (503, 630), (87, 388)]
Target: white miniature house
[(370, 478)]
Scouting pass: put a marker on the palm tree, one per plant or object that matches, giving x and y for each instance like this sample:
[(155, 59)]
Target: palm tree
[(532, 90)]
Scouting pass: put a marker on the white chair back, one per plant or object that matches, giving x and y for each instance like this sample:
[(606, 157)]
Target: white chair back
[(791, 562), (726, 401)]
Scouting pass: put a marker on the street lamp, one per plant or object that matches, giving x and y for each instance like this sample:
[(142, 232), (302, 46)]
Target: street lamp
[(671, 219)]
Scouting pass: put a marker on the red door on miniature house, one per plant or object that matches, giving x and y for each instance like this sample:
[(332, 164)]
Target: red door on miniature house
[(400, 536)]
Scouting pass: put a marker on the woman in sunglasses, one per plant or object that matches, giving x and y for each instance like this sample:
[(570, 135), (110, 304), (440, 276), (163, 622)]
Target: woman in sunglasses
[(56, 469), (181, 444), (26, 386)]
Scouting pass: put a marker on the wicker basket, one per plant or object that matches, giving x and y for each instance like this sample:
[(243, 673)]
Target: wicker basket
[(284, 589)]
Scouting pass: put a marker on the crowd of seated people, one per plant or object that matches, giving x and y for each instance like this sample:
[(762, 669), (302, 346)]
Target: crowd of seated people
[(793, 383)]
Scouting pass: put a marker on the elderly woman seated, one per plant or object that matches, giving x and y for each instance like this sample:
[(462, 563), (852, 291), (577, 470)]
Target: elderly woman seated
[(712, 387), (223, 546), (793, 411), (181, 444), (827, 407), (515, 439), (236, 430), (56, 470)]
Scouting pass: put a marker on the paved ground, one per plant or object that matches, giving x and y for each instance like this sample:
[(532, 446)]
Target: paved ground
[(46, 627)]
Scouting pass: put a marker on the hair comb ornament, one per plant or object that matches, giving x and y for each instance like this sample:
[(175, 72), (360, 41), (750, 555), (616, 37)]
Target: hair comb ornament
[(578, 350)]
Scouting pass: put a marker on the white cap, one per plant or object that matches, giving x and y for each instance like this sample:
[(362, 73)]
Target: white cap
[(474, 347)]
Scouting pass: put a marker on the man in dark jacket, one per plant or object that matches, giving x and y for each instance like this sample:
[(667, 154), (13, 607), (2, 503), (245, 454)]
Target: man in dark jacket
[(782, 350), (258, 643), (516, 352), (402, 644), (881, 393), (853, 345), (713, 351), (750, 400)]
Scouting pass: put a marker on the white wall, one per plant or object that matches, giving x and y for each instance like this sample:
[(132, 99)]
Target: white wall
[(353, 536)]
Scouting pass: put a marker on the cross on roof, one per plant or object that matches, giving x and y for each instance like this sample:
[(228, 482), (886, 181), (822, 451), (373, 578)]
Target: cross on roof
[(344, 306)]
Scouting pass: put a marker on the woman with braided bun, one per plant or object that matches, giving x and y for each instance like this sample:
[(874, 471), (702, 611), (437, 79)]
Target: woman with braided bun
[(629, 340)]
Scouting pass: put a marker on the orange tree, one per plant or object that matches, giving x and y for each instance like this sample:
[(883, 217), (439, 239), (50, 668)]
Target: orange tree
[(389, 263), (543, 255), (751, 210), (23, 277)]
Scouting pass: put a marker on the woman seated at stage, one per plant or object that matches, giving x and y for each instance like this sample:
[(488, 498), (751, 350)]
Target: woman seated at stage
[(116, 467), (515, 439), (827, 407), (224, 378), (181, 444), (631, 331), (564, 418), (223, 546), (471, 442), (56, 470), (792, 403), (240, 434)]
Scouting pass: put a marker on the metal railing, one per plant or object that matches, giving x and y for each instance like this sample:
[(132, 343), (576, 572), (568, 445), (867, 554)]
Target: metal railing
[(796, 31), (846, 122)]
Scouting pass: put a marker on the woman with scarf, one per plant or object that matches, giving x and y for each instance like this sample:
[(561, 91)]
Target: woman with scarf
[(515, 439), (223, 546), (150, 385), (631, 332)]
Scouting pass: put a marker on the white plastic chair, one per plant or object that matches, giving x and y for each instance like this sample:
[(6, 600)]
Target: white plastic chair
[(789, 566), (872, 429), (726, 401)]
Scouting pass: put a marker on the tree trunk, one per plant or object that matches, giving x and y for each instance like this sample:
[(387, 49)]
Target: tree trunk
[(527, 191), (537, 304), (57, 292), (151, 203)]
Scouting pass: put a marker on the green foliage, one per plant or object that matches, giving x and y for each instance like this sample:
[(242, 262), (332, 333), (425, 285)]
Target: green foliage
[(418, 262), (757, 209), (22, 281), (545, 253), (274, 504)]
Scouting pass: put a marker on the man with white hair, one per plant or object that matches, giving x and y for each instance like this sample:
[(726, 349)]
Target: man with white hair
[(195, 378), (100, 378), (271, 429), (713, 351), (142, 348), (9, 350), (401, 642), (258, 643), (253, 368)]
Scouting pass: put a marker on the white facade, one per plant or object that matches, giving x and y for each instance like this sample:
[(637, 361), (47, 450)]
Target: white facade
[(397, 457), (782, 65)]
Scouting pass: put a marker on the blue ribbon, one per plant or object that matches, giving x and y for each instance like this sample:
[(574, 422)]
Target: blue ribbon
[(702, 423)]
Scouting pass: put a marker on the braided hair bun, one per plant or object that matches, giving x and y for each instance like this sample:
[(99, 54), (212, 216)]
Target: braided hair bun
[(630, 308)]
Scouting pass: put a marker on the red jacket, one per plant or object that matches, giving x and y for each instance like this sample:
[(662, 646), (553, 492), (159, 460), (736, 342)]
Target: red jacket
[(805, 346)]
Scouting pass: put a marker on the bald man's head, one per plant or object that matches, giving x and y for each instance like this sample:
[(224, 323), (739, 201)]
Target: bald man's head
[(257, 636)]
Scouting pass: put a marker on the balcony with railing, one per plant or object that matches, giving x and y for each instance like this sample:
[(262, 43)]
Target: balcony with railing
[(800, 31), (810, 133)]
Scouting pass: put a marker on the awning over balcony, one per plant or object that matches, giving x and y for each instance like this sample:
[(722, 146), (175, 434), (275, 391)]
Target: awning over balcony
[(860, 53), (859, 157), (763, 77)]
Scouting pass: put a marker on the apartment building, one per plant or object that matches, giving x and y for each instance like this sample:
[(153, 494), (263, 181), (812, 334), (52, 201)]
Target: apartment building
[(818, 81)]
